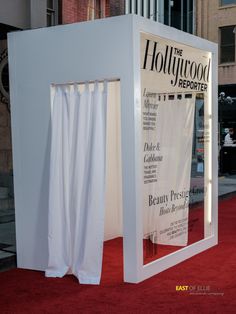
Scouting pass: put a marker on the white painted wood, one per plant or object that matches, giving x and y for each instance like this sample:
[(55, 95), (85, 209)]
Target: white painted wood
[(89, 51), (108, 48), (141, 25)]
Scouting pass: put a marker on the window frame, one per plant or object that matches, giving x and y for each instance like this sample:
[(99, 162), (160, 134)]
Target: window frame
[(227, 45), (52, 12), (93, 13), (221, 4), (187, 13)]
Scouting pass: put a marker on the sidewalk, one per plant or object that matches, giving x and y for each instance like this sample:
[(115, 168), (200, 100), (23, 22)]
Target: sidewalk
[(227, 187)]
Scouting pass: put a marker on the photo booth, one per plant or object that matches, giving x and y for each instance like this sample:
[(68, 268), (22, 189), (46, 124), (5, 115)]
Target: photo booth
[(114, 135)]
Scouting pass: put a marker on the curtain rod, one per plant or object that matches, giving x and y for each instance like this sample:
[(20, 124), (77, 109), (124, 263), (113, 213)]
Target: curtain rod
[(89, 82)]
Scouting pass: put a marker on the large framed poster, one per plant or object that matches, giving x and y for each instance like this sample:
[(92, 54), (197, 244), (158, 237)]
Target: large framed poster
[(176, 145)]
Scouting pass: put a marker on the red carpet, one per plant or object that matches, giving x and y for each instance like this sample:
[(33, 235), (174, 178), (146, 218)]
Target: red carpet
[(25, 291)]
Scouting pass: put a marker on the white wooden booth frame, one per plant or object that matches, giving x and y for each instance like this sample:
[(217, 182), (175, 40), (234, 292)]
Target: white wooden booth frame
[(101, 49)]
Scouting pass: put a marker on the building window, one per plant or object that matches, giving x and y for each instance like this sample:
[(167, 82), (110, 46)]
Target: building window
[(227, 2), (51, 13), (179, 14), (176, 13), (96, 9), (227, 44)]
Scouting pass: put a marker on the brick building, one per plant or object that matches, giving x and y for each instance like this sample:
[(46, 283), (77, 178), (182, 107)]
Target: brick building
[(72, 11), (216, 21), (27, 14), (16, 15), (178, 14)]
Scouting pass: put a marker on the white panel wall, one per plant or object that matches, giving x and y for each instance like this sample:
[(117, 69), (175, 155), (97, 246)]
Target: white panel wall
[(37, 58)]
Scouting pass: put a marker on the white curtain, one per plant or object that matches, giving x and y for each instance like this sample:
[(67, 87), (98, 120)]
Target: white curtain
[(77, 182), (113, 200)]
